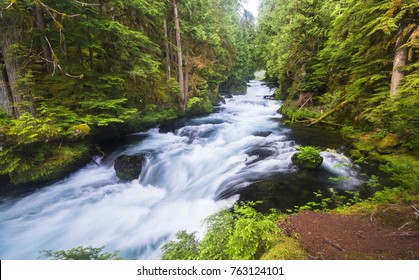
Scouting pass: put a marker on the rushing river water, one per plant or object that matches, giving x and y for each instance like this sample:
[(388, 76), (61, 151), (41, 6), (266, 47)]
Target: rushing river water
[(193, 168)]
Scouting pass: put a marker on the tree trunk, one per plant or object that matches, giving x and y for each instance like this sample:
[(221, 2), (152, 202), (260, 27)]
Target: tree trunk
[(20, 95), (4, 96), (12, 66), (186, 68), (400, 60), (182, 99), (304, 70), (166, 43), (46, 51)]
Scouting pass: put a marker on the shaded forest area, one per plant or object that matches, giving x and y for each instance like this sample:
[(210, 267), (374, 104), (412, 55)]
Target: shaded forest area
[(350, 64), (74, 73)]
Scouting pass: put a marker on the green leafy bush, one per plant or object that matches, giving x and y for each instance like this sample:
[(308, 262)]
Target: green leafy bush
[(82, 253), (240, 234), (185, 248), (309, 153)]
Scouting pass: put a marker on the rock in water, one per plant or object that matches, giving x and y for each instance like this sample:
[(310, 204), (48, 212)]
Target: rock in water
[(129, 167), (262, 133), (307, 164)]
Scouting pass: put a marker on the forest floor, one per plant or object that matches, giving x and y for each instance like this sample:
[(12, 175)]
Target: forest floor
[(390, 233)]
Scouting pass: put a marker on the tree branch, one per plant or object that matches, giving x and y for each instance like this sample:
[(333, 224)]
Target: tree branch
[(56, 64), (86, 4)]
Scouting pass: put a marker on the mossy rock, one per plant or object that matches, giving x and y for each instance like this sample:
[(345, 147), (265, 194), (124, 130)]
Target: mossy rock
[(388, 143), (365, 143), (307, 164), (57, 163), (199, 105), (129, 167), (238, 89)]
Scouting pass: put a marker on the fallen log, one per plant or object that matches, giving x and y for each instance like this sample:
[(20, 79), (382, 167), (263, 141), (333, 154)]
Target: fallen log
[(337, 108)]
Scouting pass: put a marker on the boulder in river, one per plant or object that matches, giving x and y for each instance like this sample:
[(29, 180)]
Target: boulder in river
[(305, 163), (129, 167), (262, 133), (221, 100)]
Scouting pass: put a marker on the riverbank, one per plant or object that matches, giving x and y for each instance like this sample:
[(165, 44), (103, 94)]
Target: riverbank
[(383, 226), (42, 162), (330, 236)]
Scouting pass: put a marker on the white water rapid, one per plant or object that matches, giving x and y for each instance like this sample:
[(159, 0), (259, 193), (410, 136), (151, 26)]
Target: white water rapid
[(187, 173)]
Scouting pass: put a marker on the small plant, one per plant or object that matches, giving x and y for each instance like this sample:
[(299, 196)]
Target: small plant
[(309, 153), (307, 157)]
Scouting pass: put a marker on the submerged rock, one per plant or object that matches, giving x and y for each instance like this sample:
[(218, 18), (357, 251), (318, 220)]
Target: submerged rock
[(129, 167), (307, 164), (262, 133), (221, 100)]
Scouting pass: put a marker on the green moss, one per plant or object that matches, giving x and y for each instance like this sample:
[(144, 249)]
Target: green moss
[(286, 248), (364, 146), (150, 118), (50, 162), (388, 143), (199, 105), (360, 208), (80, 131)]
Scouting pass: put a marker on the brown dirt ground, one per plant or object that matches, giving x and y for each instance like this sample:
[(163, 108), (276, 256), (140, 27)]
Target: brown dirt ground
[(335, 237)]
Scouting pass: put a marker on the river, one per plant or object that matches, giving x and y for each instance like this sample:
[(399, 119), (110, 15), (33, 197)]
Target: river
[(194, 168)]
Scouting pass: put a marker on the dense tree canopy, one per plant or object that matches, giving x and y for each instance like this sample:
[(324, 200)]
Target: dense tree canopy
[(69, 68), (356, 57)]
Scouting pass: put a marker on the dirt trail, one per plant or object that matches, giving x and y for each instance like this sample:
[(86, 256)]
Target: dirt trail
[(336, 237)]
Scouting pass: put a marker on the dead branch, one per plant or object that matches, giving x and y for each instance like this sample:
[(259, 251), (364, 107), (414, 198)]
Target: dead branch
[(56, 64), (416, 211), (86, 4), (333, 244), (405, 224), (306, 102), (1, 10), (51, 11)]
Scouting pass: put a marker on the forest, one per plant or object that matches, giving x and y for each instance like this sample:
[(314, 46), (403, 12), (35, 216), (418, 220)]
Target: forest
[(355, 60), (75, 73)]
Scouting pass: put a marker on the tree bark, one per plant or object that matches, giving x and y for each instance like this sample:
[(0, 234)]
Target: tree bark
[(182, 99), (21, 96), (46, 51), (5, 104), (186, 87), (12, 76), (166, 43), (400, 60)]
